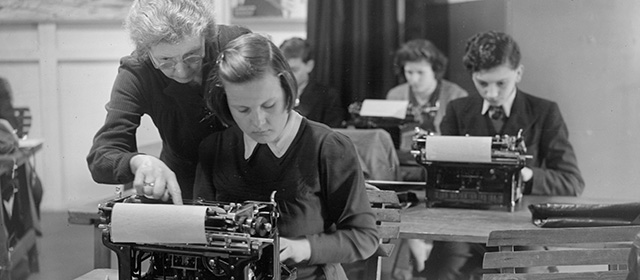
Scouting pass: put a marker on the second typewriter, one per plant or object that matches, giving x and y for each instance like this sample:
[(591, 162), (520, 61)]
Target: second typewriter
[(471, 171)]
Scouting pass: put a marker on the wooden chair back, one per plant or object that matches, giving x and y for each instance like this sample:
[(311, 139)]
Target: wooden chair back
[(608, 247), (386, 207), (23, 116)]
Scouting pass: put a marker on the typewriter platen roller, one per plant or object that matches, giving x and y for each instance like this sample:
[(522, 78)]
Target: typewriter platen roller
[(471, 171), (241, 242)]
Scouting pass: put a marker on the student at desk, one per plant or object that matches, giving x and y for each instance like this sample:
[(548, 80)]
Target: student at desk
[(316, 102), (500, 107), (423, 66), (326, 218)]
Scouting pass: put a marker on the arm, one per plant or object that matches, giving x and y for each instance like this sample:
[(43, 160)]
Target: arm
[(559, 173), (347, 206), (115, 142)]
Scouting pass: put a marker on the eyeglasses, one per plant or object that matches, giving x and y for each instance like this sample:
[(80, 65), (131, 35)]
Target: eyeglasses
[(170, 63)]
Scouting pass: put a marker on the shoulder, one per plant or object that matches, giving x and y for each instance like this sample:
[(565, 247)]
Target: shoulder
[(399, 92), (452, 90), (540, 104), (326, 135), (466, 101)]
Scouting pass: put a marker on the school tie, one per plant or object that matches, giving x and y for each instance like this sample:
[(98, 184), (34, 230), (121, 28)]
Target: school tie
[(497, 117)]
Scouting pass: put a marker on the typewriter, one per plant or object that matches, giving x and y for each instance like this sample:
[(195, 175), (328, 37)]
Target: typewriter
[(241, 244), (400, 129), (471, 171)]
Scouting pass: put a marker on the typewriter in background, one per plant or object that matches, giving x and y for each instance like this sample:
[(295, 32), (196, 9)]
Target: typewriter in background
[(395, 116), (241, 244), (471, 171)]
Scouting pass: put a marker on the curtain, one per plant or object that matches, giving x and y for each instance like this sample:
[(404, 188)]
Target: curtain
[(354, 44)]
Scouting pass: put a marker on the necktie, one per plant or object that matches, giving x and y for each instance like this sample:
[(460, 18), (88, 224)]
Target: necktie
[(497, 117)]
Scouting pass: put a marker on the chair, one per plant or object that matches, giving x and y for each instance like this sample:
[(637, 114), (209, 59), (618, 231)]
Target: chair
[(376, 153), (386, 207), (575, 247), (23, 116)]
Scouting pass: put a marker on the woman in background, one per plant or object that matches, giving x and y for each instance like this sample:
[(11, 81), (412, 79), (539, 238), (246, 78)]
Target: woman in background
[(424, 66), (326, 218), (176, 44)]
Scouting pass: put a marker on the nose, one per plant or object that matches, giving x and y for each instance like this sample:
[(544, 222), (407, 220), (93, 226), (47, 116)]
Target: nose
[(181, 70), (412, 78), (258, 118), (491, 92)]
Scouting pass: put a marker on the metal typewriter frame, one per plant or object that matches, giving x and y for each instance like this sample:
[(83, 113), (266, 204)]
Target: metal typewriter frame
[(242, 249), (507, 160)]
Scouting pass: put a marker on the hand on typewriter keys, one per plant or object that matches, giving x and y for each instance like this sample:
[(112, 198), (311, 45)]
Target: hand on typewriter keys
[(154, 179), (294, 250)]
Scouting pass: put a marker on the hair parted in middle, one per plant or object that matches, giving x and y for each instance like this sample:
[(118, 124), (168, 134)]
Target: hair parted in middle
[(245, 59)]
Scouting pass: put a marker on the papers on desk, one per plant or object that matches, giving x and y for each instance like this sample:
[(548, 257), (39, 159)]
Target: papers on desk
[(384, 108)]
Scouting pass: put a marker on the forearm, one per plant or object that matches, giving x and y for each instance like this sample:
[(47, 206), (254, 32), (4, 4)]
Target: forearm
[(344, 245)]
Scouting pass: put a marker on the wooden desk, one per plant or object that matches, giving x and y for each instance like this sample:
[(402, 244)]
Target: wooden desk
[(443, 224), (474, 225), (25, 247)]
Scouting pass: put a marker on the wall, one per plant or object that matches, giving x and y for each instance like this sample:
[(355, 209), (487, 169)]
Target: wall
[(61, 59), (585, 55)]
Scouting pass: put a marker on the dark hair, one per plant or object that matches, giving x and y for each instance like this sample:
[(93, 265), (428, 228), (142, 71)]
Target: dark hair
[(245, 59), (297, 48), (421, 49), (490, 49)]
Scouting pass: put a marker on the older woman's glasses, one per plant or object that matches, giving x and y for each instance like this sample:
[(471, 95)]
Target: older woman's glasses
[(170, 63)]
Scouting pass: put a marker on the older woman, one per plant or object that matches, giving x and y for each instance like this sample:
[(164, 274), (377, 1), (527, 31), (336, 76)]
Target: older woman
[(326, 218), (176, 43)]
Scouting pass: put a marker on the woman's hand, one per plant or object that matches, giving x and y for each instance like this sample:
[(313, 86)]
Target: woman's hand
[(154, 179), (294, 250)]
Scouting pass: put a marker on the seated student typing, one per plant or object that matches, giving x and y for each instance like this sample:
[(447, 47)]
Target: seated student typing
[(326, 218), (500, 107)]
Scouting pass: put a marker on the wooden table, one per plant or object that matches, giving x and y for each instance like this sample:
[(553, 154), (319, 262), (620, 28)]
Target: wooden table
[(474, 225), (443, 224)]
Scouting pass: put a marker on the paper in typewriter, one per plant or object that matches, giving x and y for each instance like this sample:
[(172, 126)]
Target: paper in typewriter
[(158, 223), (458, 148)]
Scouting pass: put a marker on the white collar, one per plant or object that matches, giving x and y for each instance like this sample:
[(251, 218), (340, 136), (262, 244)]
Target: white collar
[(506, 106), (280, 146)]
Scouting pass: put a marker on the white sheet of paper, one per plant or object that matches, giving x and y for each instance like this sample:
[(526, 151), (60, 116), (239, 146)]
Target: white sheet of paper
[(384, 108), (158, 223), (458, 148)]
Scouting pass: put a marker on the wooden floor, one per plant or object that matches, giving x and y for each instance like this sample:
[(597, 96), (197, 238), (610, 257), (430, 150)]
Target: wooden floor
[(66, 251)]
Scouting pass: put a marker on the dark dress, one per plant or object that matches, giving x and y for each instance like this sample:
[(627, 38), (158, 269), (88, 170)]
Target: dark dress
[(177, 110), (320, 191)]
